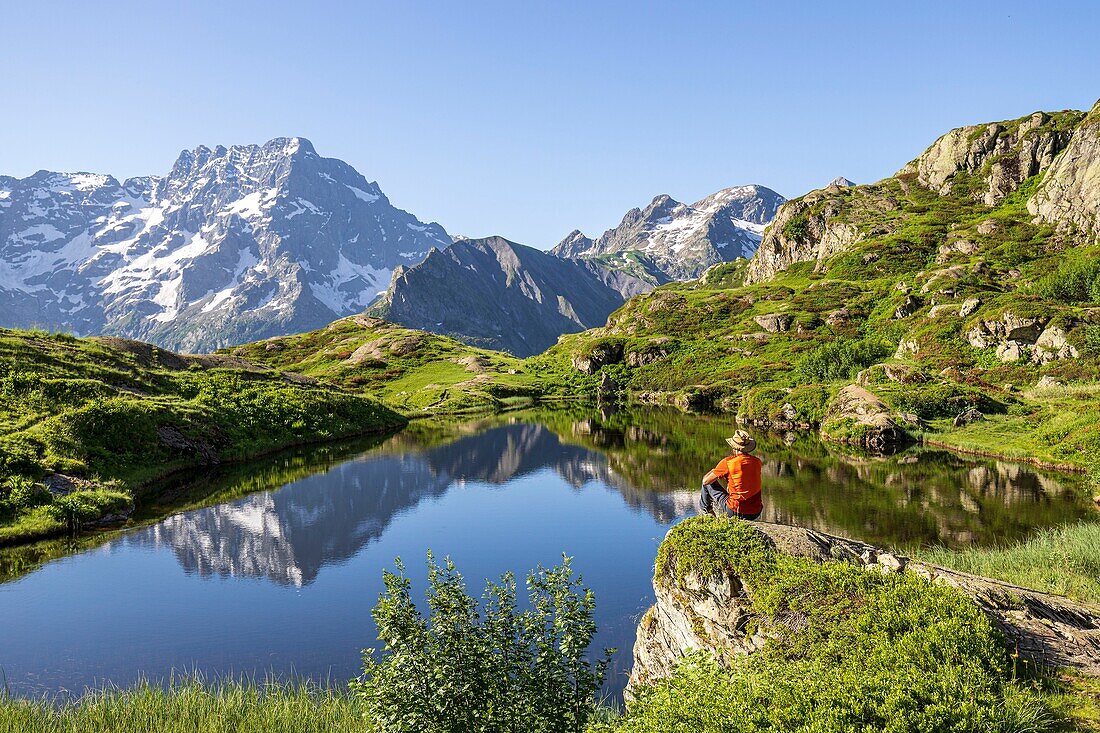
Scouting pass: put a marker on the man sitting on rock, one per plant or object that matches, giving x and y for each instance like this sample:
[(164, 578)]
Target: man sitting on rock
[(741, 469)]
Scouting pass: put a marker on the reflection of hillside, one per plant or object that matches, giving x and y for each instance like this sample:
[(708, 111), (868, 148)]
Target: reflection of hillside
[(653, 462)]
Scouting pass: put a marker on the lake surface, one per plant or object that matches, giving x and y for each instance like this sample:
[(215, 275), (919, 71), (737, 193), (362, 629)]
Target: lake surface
[(278, 566)]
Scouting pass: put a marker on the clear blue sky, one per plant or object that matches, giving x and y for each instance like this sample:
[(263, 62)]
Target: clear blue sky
[(532, 119)]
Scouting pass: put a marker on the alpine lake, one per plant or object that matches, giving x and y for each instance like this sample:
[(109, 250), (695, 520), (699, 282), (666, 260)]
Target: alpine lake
[(273, 567)]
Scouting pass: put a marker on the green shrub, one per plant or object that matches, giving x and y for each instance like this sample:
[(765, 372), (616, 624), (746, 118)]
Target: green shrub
[(942, 399), (497, 669), (796, 227), (22, 493), (841, 359), (88, 505), (1077, 280)]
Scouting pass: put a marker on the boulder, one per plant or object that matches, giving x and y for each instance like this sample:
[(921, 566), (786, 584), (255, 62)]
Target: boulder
[(906, 347), (955, 247), (1011, 350), (967, 416), (774, 322), (908, 307), (597, 357), (987, 227), (1048, 382), (839, 317), (969, 307), (855, 405), (1051, 345)]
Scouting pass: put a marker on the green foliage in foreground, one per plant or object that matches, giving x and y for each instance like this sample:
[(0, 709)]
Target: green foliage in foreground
[(499, 669), (192, 706), (1063, 560), (850, 650)]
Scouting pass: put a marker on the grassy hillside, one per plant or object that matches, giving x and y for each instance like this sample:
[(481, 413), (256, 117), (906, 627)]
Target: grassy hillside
[(84, 422), (411, 371), (896, 286)]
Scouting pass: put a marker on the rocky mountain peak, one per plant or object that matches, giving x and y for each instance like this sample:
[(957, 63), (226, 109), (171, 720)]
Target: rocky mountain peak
[(234, 243), (681, 241)]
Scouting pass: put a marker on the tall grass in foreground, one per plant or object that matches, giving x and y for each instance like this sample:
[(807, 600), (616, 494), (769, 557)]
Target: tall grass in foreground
[(191, 705), (1063, 560)]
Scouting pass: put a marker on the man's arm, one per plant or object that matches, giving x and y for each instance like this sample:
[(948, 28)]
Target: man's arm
[(710, 478), (719, 471)]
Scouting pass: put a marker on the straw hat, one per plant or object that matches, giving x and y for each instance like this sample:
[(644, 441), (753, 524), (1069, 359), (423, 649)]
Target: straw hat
[(742, 441)]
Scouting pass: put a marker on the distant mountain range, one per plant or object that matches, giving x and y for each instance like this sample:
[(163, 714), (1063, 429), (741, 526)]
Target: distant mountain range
[(233, 244), (682, 241), (248, 242), (501, 295)]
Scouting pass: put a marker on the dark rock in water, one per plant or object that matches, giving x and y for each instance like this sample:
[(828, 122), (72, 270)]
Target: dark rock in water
[(967, 416)]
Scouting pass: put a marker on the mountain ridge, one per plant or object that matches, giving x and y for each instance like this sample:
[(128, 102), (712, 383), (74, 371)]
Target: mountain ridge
[(233, 244), (684, 240)]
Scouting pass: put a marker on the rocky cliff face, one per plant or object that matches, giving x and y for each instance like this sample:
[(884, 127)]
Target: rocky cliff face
[(977, 163), (684, 240), (804, 230), (1000, 155), (1069, 195), (233, 244), (502, 295), (713, 613)]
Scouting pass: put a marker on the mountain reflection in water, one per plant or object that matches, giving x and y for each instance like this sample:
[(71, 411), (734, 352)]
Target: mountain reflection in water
[(282, 560)]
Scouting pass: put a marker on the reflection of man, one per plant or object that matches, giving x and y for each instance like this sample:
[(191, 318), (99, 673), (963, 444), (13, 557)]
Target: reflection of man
[(741, 469)]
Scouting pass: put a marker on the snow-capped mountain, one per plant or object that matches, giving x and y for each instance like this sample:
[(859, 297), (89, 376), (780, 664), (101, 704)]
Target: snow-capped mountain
[(682, 240), (233, 244)]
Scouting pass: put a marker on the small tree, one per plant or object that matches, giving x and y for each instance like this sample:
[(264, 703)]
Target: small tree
[(497, 668)]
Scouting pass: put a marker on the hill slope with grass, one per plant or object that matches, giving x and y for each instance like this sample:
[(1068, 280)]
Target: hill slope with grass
[(970, 279), (84, 423), (411, 371)]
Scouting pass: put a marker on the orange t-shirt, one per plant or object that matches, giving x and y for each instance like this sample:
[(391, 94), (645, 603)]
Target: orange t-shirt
[(742, 474)]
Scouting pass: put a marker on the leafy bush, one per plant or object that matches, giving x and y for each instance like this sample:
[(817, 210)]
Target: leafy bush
[(1077, 280), (81, 507), (841, 359), (942, 399), (22, 493), (116, 429), (500, 669)]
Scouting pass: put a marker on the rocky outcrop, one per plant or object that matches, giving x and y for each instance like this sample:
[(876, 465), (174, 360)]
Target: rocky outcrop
[(1002, 154), (774, 322), (804, 230), (1069, 196), (714, 613), (1017, 338), (858, 417)]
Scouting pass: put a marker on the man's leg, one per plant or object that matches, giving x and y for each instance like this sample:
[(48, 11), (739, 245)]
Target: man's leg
[(713, 499)]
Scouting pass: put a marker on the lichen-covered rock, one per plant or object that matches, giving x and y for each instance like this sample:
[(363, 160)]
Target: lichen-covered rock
[(1069, 196), (774, 322), (711, 609), (967, 416), (1051, 345), (803, 230), (598, 356), (1002, 154), (969, 307), (908, 307), (858, 417)]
